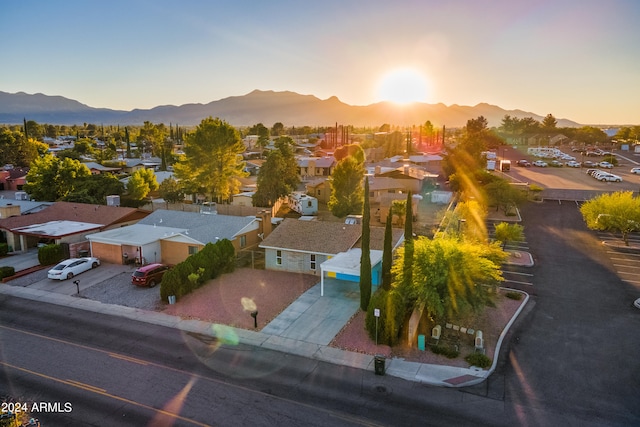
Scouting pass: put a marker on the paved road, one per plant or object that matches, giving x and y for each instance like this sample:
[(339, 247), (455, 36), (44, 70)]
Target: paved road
[(573, 359)]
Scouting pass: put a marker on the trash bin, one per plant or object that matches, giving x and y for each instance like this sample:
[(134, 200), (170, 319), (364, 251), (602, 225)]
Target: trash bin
[(172, 299), (378, 363)]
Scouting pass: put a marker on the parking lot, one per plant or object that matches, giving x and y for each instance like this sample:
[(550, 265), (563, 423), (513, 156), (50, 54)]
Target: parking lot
[(567, 179)]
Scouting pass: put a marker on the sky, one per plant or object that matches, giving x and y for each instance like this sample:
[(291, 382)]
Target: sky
[(575, 59)]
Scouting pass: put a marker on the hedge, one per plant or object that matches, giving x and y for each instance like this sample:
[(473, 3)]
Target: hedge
[(190, 274), (50, 254)]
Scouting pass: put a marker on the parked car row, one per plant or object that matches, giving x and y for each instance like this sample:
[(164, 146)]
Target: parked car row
[(604, 176)]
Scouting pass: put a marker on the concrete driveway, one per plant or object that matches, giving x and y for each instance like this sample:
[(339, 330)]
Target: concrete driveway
[(85, 280), (21, 261)]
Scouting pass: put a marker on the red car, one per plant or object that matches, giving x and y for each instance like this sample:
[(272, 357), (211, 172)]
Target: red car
[(149, 275)]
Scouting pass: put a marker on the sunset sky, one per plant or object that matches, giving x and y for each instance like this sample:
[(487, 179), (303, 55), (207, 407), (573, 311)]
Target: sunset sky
[(575, 59)]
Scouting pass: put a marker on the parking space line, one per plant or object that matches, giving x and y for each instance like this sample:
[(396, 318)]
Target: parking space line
[(518, 282), (518, 273), (626, 266)]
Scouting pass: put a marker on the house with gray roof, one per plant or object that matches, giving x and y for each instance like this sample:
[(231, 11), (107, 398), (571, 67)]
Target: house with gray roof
[(171, 236)]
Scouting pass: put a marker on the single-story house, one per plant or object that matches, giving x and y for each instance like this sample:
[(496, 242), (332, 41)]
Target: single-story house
[(13, 179), (65, 222), (171, 236), (310, 247), (97, 168)]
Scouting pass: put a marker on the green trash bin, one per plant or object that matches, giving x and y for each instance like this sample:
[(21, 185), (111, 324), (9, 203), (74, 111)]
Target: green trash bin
[(378, 363)]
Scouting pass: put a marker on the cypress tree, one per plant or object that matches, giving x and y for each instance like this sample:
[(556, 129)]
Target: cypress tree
[(408, 244), (365, 258), (26, 135), (387, 255)]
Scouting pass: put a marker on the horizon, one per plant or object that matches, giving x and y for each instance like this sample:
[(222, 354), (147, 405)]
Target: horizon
[(573, 59)]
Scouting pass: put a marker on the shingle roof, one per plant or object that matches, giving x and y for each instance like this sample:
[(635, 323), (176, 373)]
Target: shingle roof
[(322, 237), (84, 212), (376, 240), (204, 228)]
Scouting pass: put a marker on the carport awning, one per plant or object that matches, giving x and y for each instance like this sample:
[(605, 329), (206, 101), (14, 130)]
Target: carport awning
[(347, 263)]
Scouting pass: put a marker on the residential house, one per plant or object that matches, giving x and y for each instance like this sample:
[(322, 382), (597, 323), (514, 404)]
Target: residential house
[(171, 236), (65, 223), (13, 179), (97, 168), (324, 248), (312, 167)]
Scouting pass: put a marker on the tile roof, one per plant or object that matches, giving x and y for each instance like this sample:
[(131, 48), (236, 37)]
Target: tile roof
[(84, 212), (322, 237)]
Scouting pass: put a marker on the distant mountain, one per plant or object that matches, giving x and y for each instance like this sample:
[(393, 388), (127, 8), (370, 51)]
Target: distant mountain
[(267, 107)]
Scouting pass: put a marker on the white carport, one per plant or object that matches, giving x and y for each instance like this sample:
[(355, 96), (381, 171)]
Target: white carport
[(346, 266)]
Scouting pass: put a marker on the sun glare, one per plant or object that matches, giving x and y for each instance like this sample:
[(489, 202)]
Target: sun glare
[(403, 86)]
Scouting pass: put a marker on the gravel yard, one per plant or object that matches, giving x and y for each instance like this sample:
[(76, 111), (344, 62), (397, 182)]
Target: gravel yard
[(119, 290)]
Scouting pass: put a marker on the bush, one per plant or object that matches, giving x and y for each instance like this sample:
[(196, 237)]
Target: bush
[(514, 295), (6, 272), (451, 353), (4, 249), (391, 315), (478, 359), (50, 254)]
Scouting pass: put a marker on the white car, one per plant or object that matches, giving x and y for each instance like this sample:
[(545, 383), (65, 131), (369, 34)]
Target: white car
[(573, 164), (71, 267), (635, 170), (609, 177), (605, 165), (637, 303), (540, 164)]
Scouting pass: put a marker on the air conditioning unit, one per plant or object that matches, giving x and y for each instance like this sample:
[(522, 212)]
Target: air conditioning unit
[(113, 200)]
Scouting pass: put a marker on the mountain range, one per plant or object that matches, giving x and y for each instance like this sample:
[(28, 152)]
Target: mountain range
[(267, 107)]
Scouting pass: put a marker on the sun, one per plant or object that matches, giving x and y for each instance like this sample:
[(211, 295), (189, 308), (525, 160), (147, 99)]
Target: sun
[(403, 86)]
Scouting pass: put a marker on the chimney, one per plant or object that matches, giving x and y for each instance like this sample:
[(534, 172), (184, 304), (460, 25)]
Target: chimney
[(265, 220)]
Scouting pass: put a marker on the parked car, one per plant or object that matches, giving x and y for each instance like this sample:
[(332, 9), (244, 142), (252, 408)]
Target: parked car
[(540, 163), (605, 165), (149, 275), (592, 171), (573, 164), (589, 164), (523, 163), (609, 177), (72, 267), (635, 170), (555, 163)]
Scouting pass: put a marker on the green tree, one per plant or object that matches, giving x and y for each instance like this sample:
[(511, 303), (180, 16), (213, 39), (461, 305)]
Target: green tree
[(278, 176), (277, 129), (506, 232), (450, 276), (141, 183), (213, 160), (365, 256), (51, 179), (94, 189), (387, 254), (346, 188), (549, 123), (171, 191), (504, 196), (408, 242), (617, 212), (263, 134)]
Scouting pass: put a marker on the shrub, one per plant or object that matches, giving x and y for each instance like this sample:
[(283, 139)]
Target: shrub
[(391, 315), (478, 359), (449, 352), (50, 254), (4, 249), (514, 295), (6, 271)]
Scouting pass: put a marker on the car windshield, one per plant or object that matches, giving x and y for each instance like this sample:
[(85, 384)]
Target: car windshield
[(59, 267), (138, 274)]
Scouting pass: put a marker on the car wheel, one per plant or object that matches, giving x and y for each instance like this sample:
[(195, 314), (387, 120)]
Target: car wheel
[(94, 265), (618, 180), (602, 180), (70, 276), (152, 283)]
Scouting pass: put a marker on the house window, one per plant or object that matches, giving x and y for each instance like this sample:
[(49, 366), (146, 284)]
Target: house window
[(193, 250), (278, 257), (319, 192), (243, 241), (313, 262)]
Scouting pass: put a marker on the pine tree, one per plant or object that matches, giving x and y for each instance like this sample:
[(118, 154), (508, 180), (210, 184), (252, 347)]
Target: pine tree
[(365, 258)]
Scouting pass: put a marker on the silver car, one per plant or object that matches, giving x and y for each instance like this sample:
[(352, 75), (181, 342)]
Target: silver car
[(71, 267)]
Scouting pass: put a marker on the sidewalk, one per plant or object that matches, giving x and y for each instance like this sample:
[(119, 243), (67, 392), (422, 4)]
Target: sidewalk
[(305, 329)]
